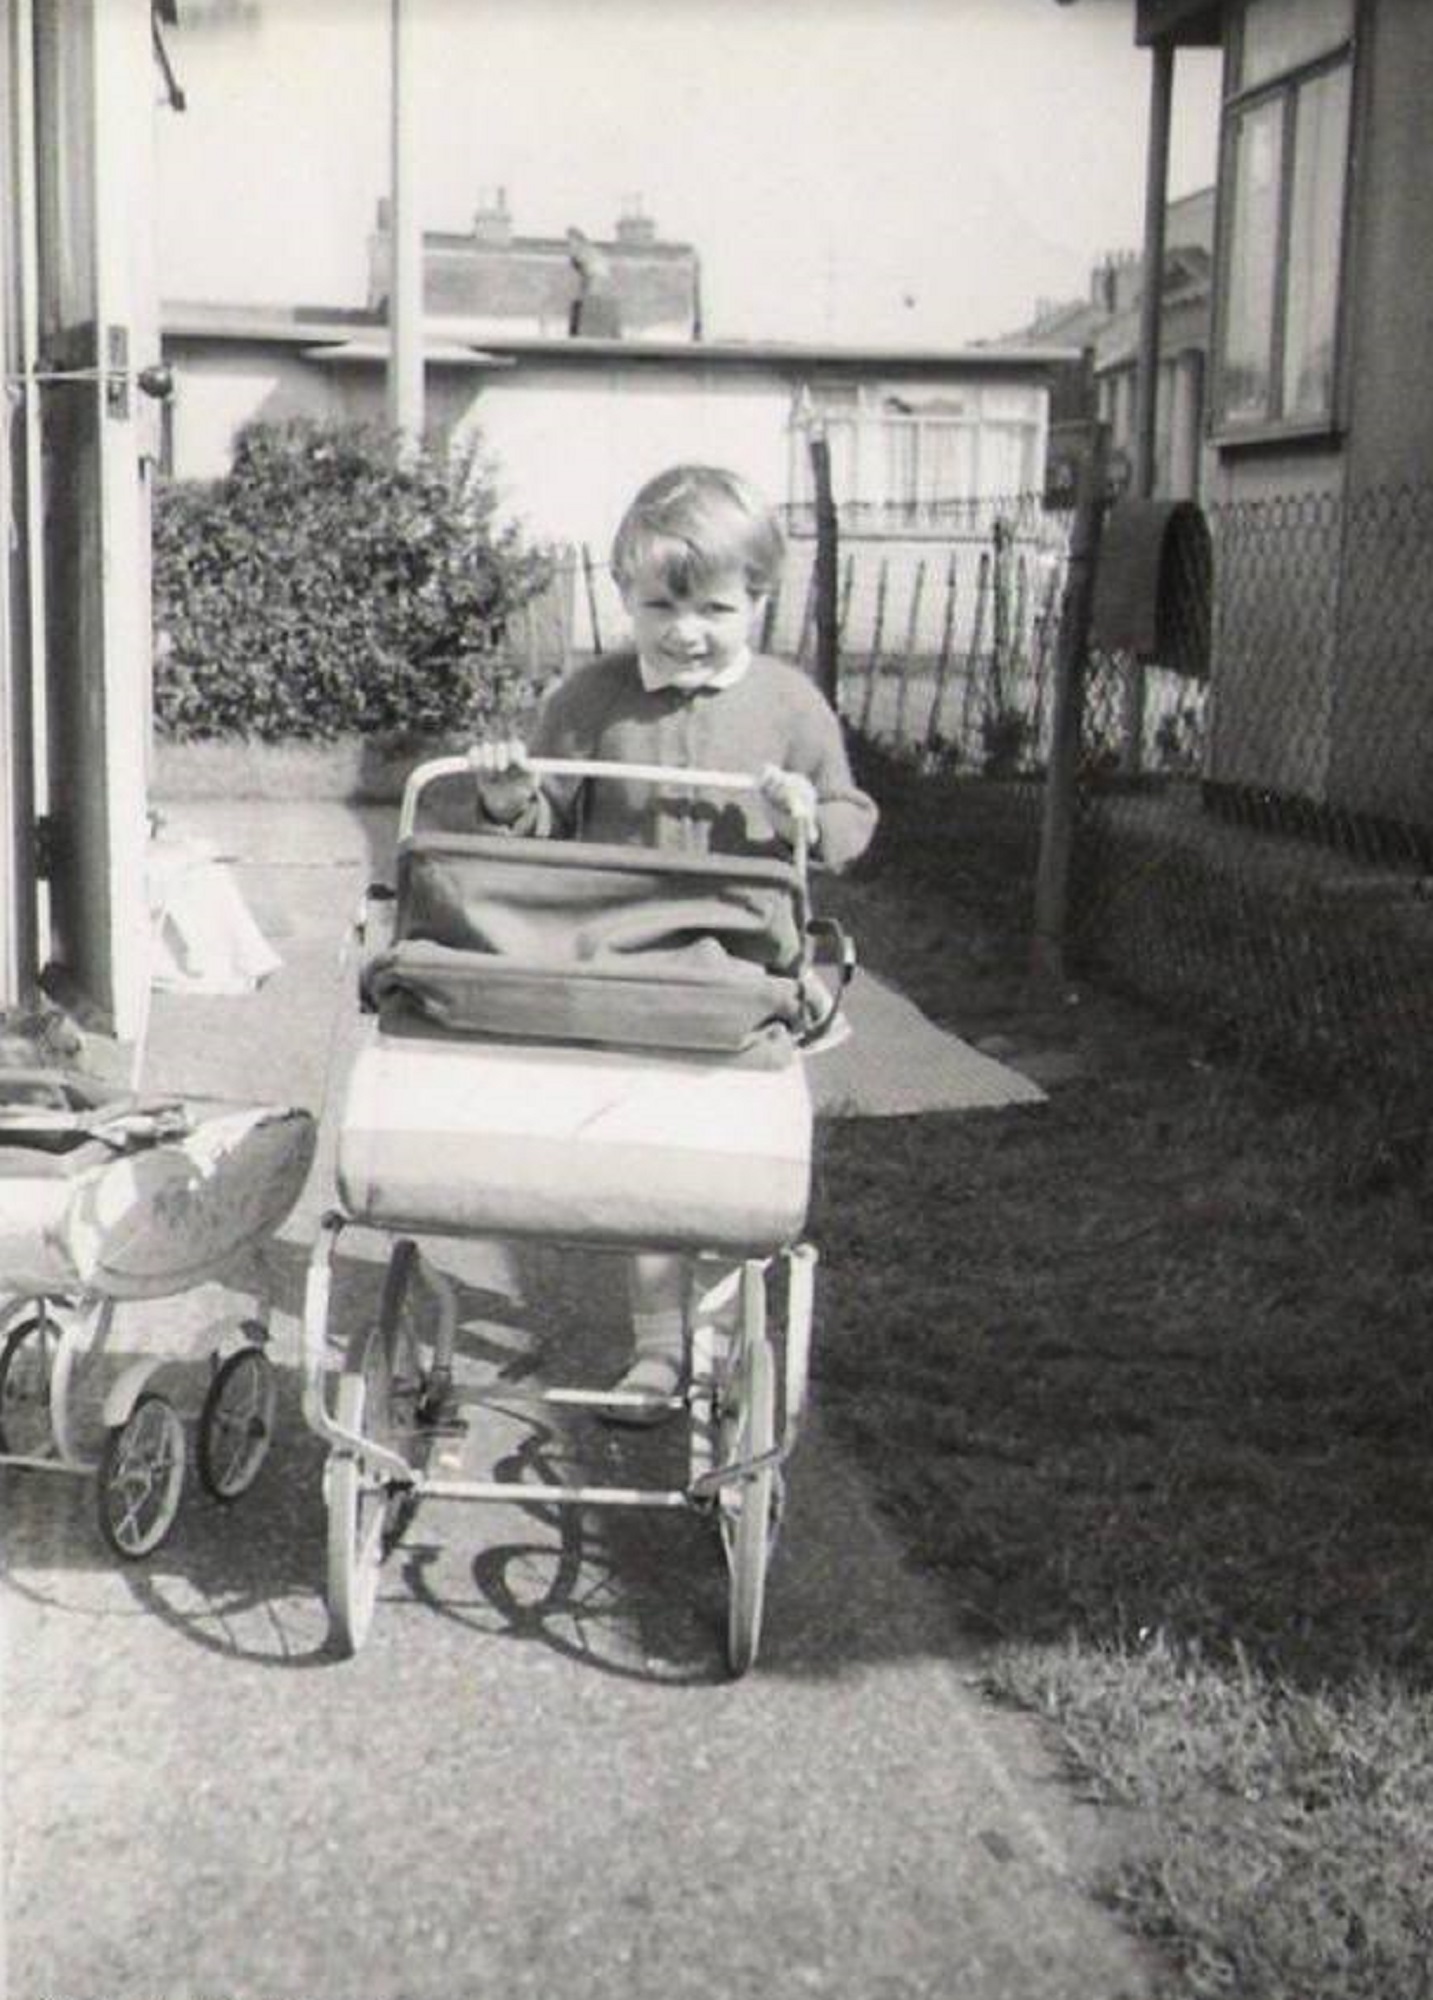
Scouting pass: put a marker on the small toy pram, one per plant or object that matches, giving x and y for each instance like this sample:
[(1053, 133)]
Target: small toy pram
[(106, 1201), (595, 1046)]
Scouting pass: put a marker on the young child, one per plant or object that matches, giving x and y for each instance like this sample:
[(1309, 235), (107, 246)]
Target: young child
[(696, 557)]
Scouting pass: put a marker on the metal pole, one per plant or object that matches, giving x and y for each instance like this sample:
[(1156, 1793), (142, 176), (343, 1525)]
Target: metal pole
[(1146, 381), (1052, 880), (1161, 93), (828, 668), (405, 288)]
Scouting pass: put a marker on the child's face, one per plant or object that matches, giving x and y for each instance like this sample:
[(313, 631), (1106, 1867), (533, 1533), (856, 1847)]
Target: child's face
[(694, 631)]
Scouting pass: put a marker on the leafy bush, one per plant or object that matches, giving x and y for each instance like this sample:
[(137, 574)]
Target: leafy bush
[(327, 585)]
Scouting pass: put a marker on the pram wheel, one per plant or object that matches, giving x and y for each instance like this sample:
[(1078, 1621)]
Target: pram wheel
[(27, 1367), (357, 1523), (141, 1477), (374, 1402), (748, 1505), (236, 1424)]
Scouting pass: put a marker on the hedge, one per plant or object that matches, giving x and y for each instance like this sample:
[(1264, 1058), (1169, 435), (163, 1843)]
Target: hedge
[(329, 585)]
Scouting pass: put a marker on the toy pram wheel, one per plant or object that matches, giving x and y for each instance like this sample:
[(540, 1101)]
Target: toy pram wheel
[(357, 1525), (141, 1477), (236, 1424), (27, 1367), (748, 1506)]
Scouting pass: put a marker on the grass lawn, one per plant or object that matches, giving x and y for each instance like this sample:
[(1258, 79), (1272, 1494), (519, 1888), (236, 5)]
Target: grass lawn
[(1145, 1373)]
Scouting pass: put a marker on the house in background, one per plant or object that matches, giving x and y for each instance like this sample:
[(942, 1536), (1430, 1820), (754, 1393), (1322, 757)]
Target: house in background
[(576, 419), (1106, 323), (1184, 301), (1319, 397), (491, 280)]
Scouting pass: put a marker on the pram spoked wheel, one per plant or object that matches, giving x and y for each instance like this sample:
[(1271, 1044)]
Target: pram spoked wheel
[(236, 1424), (376, 1400), (27, 1369), (141, 1477)]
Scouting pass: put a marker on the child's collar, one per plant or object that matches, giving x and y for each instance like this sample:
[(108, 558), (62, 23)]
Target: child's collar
[(657, 674)]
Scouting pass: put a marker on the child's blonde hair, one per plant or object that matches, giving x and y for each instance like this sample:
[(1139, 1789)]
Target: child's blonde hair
[(694, 520)]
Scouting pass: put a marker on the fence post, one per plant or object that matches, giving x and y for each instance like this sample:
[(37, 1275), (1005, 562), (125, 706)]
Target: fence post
[(942, 665), (907, 664), (824, 574), (1052, 876), (873, 665)]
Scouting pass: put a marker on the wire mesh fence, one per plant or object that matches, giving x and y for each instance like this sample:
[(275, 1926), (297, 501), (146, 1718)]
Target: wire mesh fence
[(1278, 884)]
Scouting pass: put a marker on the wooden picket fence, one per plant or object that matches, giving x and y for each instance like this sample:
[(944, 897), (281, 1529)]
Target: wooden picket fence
[(945, 648)]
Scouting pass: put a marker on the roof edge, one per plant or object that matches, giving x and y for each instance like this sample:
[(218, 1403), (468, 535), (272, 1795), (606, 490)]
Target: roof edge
[(316, 330)]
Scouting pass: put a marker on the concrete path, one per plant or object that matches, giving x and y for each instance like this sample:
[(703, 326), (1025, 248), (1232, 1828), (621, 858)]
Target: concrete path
[(535, 1779)]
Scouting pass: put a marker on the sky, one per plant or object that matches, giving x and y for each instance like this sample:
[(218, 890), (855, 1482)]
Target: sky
[(859, 171)]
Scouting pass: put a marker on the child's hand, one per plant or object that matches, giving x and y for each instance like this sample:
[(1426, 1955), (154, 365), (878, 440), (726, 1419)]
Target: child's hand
[(505, 781), (791, 801)]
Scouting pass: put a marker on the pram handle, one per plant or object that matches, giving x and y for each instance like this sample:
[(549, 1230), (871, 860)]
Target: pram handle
[(590, 767)]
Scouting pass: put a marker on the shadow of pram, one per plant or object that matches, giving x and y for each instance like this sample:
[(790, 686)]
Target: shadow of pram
[(637, 1594)]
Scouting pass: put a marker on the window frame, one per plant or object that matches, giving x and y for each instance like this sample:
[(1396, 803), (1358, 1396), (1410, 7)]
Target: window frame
[(1284, 88)]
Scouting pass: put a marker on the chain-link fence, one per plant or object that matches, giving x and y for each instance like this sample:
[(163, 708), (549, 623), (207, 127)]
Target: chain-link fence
[(1281, 890)]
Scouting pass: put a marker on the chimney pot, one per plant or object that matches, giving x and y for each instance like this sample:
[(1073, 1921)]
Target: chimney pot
[(635, 228), (492, 223)]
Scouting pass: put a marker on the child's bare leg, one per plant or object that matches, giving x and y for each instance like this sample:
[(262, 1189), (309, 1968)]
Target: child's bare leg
[(658, 1283)]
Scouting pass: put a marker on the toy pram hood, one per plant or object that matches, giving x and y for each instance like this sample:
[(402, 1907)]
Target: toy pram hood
[(571, 941), (142, 1201)]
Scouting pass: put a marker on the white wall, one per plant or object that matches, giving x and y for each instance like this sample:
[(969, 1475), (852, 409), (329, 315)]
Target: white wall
[(220, 389), (573, 448)]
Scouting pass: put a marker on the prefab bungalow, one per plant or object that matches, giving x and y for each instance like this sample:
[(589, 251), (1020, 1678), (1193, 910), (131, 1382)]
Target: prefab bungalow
[(1318, 448), (575, 423)]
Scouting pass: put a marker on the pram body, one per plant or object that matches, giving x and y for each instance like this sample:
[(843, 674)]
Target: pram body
[(592, 1046)]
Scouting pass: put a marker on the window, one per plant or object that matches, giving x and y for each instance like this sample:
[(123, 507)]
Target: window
[(931, 453), (916, 451), (1286, 154)]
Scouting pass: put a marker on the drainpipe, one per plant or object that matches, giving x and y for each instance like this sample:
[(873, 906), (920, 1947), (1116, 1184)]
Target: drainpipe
[(1146, 381), (1156, 199), (405, 284)]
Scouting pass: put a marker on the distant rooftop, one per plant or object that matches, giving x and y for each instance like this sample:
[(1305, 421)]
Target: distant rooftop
[(1116, 281), (490, 276)]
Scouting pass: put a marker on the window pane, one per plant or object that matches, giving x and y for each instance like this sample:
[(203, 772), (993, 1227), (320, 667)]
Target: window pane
[(1279, 34), (947, 461), (901, 461), (1253, 244), (1315, 230)]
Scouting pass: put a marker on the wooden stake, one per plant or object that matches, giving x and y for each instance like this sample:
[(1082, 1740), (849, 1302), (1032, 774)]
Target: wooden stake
[(942, 665)]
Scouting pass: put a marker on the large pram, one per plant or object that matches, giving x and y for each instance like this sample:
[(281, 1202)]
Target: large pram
[(590, 1045)]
